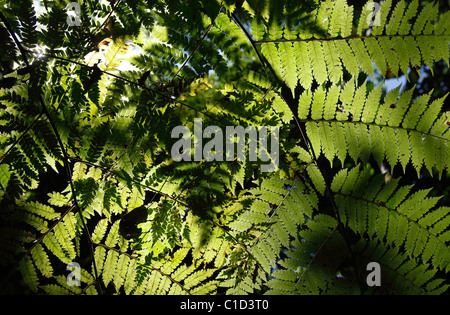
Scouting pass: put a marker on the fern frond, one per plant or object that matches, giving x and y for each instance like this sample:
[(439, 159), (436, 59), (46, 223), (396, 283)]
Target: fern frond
[(318, 63), (372, 126), (394, 232), (5, 175), (333, 62), (395, 47), (286, 51), (402, 275), (42, 261), (29, 273), (109, 267), (270, 51), (174, 277), (401, 218), (206, 227), (300, 273)]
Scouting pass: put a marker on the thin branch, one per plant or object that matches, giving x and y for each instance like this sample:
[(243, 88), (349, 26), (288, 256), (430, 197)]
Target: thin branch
[(249, 38), (192, 53), (107, 18), (306, 269), (197, 47), (265, 94), (21, 136)]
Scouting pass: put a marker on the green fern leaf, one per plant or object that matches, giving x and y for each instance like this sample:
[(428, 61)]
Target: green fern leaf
[(29, 273), (44, 211), (383, 18), (377, 54), (100, 230), (362, 56), (371, 105), (318, 63), (269, 50), (57, 199), (109, 266), (303, 63), (317, 106), (4, 175), (317, 178), (337, 18), (288, 64), (411, 11), (42, 261), (390, 54), (214, 227), (396, 18), (348, 57), (332, 61)]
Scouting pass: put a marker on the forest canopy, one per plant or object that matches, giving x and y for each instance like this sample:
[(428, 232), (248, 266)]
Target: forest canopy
[(224, 147)]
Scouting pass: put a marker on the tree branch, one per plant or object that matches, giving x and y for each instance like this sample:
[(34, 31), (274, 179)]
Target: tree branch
[(252, 42)]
